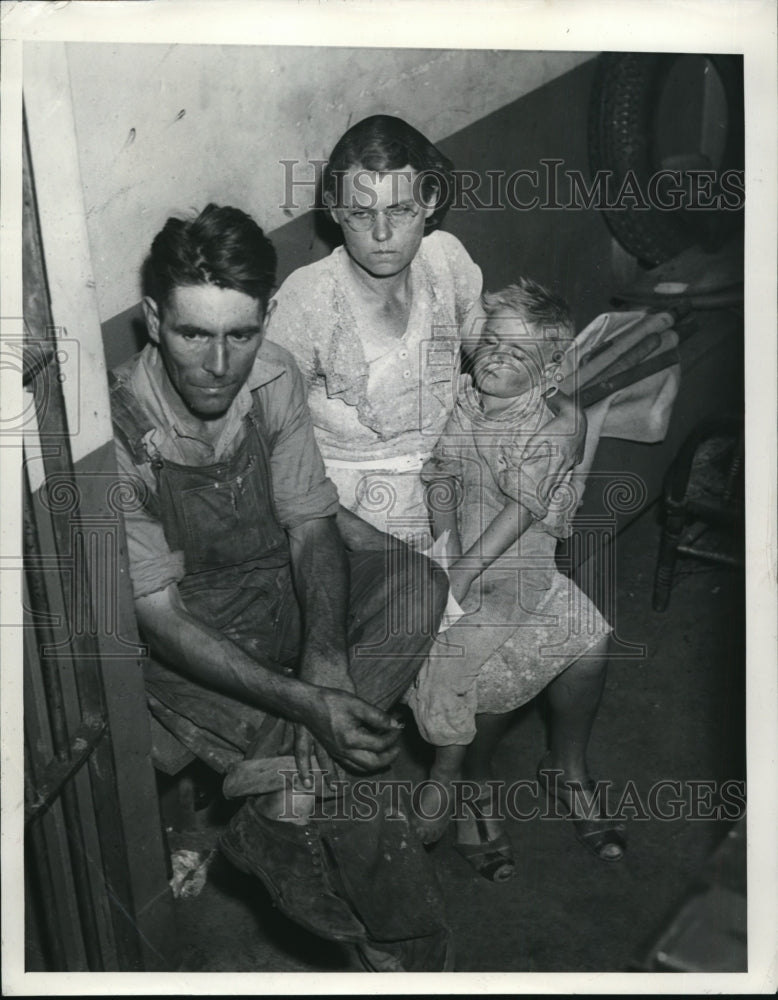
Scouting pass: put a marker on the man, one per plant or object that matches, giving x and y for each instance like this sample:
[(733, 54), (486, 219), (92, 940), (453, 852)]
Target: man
[(258, 618)]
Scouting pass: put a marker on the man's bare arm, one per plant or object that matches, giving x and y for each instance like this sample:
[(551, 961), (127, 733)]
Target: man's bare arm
[(204, 655), (347, 727)]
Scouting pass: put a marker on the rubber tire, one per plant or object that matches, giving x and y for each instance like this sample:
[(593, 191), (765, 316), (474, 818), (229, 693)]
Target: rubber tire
[(622, 118)]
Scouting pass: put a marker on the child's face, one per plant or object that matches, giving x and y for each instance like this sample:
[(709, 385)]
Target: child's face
[(512, 356)]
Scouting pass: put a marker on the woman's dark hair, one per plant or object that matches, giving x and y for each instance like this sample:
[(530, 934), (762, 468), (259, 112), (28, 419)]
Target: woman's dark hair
[(222, 246), (382, 143)]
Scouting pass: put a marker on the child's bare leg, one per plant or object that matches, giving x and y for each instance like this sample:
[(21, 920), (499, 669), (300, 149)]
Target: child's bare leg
[(478, 767), (437, 797), (293, 806), (573, 699)]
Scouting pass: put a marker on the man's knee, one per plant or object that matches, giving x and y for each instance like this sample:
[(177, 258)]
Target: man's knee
[(395, 594)]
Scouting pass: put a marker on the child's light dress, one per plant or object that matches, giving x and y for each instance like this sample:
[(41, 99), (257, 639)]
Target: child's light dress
[(524, 621)]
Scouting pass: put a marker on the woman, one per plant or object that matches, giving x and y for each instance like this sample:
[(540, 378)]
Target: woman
[(375, 328)]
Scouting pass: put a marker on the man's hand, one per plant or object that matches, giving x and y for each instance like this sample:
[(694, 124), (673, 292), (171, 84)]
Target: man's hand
[(323, 672), (306, 750), (345, 730)]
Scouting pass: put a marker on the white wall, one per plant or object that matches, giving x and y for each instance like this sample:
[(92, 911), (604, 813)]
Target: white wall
[(244, 109)]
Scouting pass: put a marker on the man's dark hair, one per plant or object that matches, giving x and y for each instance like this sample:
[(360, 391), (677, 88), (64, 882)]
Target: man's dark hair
[(382, 143), (222, 246)]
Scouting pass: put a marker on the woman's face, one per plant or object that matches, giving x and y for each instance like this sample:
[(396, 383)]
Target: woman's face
[(382, 218)]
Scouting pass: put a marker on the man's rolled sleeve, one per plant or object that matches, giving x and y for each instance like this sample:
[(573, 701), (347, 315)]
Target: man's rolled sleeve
[(153, 566), (301, 488)]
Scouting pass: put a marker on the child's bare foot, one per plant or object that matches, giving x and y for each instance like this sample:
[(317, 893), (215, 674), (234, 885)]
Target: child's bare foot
[(435, 802), (433, 809)]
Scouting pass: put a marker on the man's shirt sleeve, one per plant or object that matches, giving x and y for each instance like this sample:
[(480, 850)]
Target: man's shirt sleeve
[(301, 488), (153, 566)]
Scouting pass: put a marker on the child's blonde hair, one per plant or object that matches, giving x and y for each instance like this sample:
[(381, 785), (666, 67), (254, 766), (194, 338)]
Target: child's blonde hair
[(533, 303)]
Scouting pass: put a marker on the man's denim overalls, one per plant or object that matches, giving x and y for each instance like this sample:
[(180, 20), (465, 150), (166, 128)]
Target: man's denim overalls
[(238, 580)]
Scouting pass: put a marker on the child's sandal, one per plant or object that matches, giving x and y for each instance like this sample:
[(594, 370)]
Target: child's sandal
[(491, 858), (601, 835)]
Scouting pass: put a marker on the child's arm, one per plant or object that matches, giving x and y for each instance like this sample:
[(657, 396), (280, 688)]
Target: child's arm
[(512, 521), (532, 470)]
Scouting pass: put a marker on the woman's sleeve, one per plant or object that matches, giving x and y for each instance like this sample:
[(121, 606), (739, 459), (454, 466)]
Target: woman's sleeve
[(456, 274), (290, 323), (468, 280)]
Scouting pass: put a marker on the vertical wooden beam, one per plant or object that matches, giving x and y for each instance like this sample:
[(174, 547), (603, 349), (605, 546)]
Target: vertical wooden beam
[(104, 647)]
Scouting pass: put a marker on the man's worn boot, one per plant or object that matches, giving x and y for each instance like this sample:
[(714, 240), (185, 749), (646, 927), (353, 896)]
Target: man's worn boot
[(382, 869), (287, 858)]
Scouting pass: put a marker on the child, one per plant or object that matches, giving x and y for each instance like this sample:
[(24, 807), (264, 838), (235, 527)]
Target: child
[(532, 625)]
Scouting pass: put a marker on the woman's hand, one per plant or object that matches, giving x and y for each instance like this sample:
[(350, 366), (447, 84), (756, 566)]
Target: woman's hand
[(562, 439)]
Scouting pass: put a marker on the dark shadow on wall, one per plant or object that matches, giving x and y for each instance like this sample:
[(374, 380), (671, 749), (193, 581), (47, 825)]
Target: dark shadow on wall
[(124, 335), (567, 249)]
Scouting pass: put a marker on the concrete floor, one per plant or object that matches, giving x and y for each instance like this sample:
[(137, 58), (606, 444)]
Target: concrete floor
[(676, 713)]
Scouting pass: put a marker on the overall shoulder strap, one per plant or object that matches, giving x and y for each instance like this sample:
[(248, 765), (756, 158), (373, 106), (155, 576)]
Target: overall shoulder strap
[(129, 421), (257, 415), (130, 425)]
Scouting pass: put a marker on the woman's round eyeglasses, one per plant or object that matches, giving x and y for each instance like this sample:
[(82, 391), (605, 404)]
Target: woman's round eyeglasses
[(398, 216)]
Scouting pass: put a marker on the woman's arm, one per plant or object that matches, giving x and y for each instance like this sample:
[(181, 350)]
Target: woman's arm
[(561, 440), (443, 513), (360, 536)]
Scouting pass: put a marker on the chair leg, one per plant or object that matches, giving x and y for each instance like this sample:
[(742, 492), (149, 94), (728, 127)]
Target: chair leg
[(668, 554)]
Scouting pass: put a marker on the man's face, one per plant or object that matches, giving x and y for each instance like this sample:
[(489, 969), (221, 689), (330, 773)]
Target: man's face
[(389, 217), (513, 356), (208, 338)]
